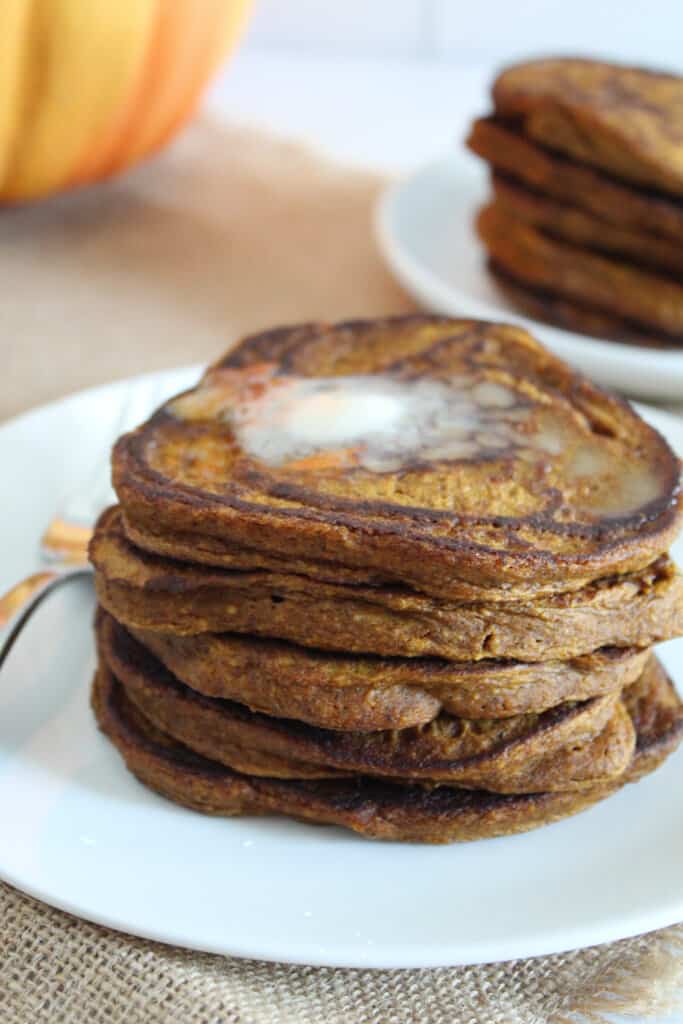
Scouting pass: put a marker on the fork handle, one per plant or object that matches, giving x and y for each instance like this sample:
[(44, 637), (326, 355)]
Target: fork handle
[(22, 593), (18, 604)]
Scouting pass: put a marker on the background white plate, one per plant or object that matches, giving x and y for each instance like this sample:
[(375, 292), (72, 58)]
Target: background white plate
[(80, 833), (425, 229)]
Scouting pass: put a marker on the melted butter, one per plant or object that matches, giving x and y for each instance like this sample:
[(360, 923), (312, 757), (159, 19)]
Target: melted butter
[(614, 492), (378, 422), (383, 424)]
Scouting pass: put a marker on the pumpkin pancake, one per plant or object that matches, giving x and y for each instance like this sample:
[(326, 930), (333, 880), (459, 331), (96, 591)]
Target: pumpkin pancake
[(626, 121), (580, 275), (371, 807), (437, 454), (555, 309), (366, 692), (572, 224), (571, 746), (502, 143), (189, 547), (144, 591)]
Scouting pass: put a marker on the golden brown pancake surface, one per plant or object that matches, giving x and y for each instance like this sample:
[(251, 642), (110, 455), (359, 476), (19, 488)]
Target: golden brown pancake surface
[(576, 226), (365, 693), (572, 746), (613, 286), (530, 475), (371, 808), (553, 308), (627, 121), (502, 143), (144, 591)]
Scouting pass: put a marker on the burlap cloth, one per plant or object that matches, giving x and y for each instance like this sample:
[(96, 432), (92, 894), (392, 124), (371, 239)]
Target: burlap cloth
[(227, 232)]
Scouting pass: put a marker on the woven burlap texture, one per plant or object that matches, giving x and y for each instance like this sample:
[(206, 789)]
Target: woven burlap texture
[(58, 969), (230, 231)]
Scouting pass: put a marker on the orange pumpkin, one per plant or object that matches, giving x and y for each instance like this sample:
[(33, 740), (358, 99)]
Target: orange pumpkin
[(89, 87)]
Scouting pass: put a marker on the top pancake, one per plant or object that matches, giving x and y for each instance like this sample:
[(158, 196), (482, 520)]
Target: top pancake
[(626, 121), (486, 460)]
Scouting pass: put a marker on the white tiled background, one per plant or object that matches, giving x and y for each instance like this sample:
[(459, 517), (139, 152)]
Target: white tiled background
[(473, 30), (394, 82)]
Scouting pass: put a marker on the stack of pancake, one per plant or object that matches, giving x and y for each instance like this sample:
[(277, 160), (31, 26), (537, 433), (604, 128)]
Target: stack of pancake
[(585, 224), (399, 575)]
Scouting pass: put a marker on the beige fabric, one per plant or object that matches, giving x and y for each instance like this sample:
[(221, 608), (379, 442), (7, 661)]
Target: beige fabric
[(56, 969), (231, 231)]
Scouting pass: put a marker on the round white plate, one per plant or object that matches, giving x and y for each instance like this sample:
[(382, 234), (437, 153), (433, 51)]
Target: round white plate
[(425, 229), (80, 833)]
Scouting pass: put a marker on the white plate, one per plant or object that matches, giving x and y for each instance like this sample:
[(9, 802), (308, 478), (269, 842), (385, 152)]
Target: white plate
[(426, 232), (80, 833)]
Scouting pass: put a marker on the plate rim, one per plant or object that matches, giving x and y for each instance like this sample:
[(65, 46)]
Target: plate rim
[(412, 958), (18, 419)]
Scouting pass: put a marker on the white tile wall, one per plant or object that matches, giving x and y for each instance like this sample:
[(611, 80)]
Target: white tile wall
[(646, 31), (467, 31), (340, 26)]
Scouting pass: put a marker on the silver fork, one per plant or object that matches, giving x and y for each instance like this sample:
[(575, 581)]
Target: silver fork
[(63, 549)]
